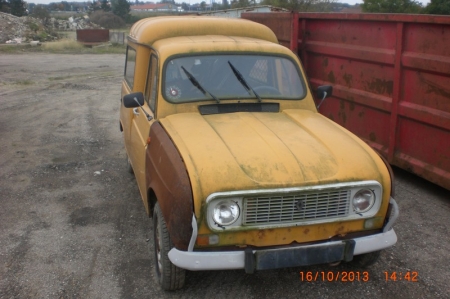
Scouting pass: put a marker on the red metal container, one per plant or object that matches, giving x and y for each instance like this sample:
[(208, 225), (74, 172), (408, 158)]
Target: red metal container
[(92, 36), (390, 76)]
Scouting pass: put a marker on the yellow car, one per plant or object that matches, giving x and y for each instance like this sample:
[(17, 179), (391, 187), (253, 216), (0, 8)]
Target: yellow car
[(234, 164)]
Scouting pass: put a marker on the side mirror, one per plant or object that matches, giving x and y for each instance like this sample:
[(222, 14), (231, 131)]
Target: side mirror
[(323, 92), (133, 100)]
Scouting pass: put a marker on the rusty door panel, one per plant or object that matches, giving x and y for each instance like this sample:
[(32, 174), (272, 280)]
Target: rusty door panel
[(166, 175), (390, 77)]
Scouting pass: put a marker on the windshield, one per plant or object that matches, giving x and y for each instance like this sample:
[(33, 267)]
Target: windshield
[(221, 77)]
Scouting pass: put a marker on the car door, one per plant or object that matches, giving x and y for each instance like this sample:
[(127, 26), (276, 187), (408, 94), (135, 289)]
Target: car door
[(126, 114), (140, 125)]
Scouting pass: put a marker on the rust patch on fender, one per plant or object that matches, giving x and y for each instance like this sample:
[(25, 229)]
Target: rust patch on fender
[(166, 175)]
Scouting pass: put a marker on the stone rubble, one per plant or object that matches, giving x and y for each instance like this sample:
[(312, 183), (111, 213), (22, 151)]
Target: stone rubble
[(73, 23), (16, 30)]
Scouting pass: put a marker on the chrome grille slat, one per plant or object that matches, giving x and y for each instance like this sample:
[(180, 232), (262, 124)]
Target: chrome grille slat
[(282, 209)]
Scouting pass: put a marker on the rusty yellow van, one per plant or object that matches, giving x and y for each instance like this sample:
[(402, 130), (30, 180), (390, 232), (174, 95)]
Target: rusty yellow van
[(233, 162)]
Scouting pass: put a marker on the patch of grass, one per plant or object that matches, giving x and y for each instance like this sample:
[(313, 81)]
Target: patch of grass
[(62, 45), (24, 82), (74, 47), (19, 48), (110, 49), (59, 78), (10, 49)]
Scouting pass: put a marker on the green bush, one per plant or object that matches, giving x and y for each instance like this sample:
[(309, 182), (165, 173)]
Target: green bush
[(131, 19), (43, 36), (33, 26), (107, 20)]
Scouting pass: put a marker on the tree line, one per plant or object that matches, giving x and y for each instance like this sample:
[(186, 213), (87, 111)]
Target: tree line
[(437, 7), (21, 8), (121, 8), (441, 7)]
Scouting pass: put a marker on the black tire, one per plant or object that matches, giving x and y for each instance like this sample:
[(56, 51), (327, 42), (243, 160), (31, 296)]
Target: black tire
[(366, 260), (129, 167), (170, 277)]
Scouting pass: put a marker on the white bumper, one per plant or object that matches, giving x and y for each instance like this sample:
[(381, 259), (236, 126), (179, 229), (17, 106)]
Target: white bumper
[(225, 260), (249, 260)]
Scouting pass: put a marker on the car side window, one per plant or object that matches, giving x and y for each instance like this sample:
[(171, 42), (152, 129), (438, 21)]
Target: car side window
[(130, 64), (152, 81)]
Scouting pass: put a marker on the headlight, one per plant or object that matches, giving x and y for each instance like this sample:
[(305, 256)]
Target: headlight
[(363, 200), (226, 212)]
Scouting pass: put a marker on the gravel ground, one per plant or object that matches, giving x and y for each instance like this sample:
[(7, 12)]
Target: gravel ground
[(72, 224)]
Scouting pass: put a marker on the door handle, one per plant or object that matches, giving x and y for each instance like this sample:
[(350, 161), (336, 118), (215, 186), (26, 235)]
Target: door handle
[(136, 111)]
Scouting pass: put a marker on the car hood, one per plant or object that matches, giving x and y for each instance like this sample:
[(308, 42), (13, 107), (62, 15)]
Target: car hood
[(244, 151)]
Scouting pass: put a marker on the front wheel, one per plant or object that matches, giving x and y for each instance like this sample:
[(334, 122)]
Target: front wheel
[(365, 260), (170, 277)]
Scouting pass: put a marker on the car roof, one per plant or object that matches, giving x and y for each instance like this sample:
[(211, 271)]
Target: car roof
[(192, 45), (148, 31)]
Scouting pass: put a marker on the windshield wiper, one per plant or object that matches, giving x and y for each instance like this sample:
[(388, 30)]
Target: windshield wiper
[(197, 84), (244, 83)]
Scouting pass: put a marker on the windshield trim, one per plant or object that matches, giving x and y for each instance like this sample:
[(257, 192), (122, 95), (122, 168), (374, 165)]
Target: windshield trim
[(240, 53)]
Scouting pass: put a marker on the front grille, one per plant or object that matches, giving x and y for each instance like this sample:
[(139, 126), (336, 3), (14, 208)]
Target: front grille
[(274, 209)]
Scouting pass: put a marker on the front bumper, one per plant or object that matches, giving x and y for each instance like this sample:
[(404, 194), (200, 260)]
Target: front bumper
[(250, 260), (280, 258)]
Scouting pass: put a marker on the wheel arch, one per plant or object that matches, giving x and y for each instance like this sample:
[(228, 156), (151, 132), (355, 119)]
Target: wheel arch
[(168, 184), (151, 202)]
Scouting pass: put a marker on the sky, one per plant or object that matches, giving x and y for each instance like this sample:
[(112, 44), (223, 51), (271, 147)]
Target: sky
[(424, 2)]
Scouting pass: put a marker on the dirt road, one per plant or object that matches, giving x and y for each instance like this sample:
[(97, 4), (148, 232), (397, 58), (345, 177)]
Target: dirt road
[(72, 224)]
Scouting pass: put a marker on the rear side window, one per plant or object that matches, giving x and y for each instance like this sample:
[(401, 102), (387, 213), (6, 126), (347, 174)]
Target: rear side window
[(130, 64)]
